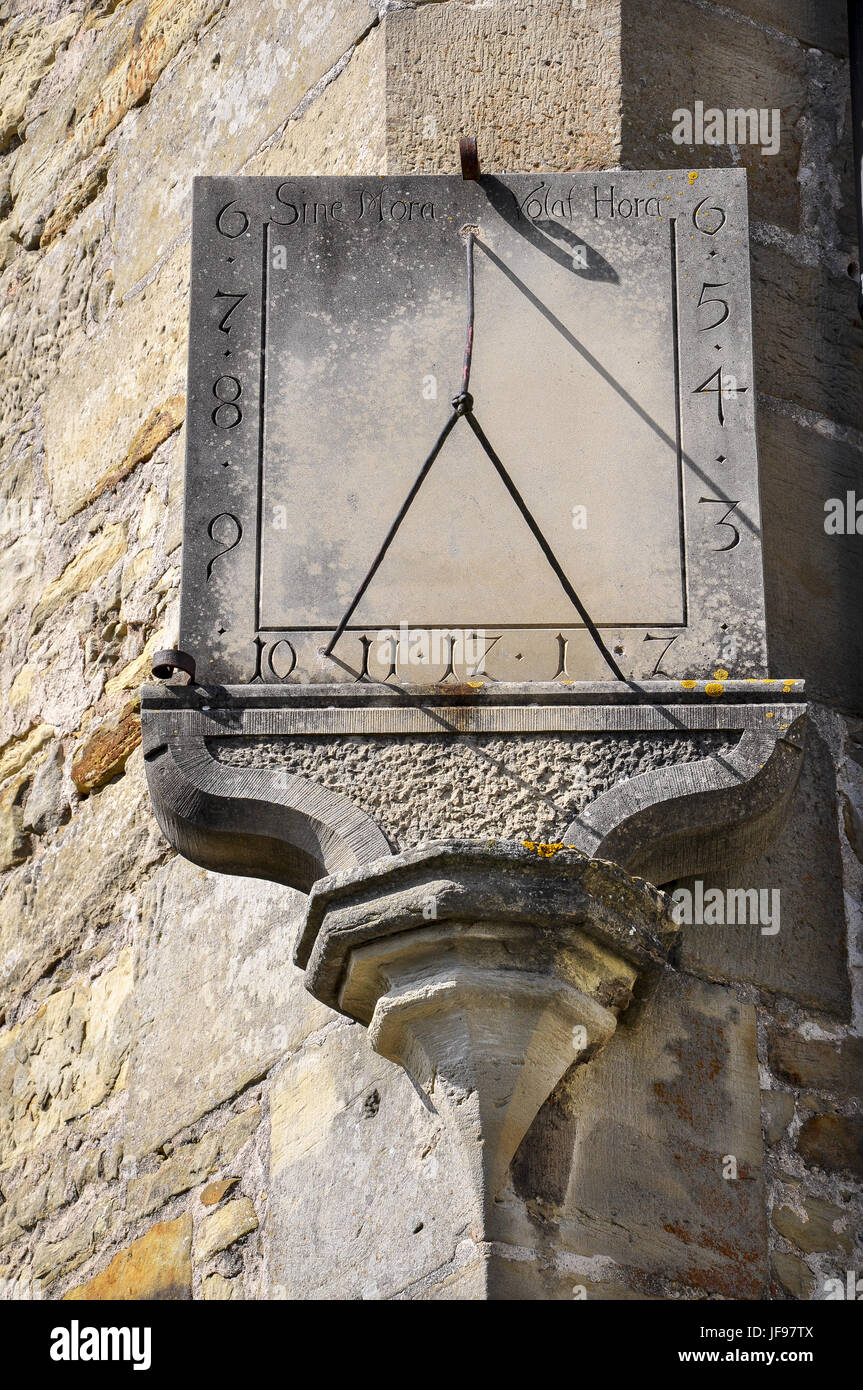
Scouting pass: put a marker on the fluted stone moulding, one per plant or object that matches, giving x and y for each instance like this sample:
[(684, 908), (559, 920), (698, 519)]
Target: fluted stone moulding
[(485, 971)]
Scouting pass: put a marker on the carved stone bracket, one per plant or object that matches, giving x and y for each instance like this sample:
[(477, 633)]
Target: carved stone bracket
[(485, 971), (709, 813)]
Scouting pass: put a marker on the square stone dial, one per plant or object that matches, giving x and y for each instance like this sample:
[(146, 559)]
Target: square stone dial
[(611, 374)]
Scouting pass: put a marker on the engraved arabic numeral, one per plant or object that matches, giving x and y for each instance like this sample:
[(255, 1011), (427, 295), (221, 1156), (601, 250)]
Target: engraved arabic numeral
[(224, 325), (720, 390), (701, 222), (228, 219), (230, 538), (708, 327), (648, 637), (725, 502), (227, 391)]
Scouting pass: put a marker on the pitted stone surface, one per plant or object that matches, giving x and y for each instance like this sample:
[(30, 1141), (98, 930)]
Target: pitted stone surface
[(447, 788)]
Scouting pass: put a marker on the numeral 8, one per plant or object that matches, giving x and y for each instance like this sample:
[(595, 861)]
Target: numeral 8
[(227, 391)]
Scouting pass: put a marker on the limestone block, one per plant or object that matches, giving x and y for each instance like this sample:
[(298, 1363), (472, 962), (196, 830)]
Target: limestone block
[(191, 1163), (778, 1112), (83, 877), (795, 1277), (158, 1266), (630, 1154), (223, 1227), (111, 407), (819, 1064), (106, 751), (366, 1191), (133, 48), (27, 49), (813, 581), (268, 56), (90, 564), (214, 968), (673, 53), (63, 1061), (17, 751), (818, 1231), (341, 130), (823, 23), (539, 85), (46, 805), (47, 303), (834, 1143), (215, 1191), (808, 335), (805, 959), (20, 564)]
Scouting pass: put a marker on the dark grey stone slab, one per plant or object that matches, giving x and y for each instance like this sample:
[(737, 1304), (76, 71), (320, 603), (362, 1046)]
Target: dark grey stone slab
[(612, 373)]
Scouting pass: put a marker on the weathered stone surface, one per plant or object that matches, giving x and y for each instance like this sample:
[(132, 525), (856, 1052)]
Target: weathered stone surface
[(633, 1147), (818, 1232), (538, 83), (27, 50), (391, 1201), (106, 751), (673, 53), (214, 966), (787, 295), (796, 960), (833, 1142), (17, 752), (95, 560), (777, 1113), (215, 1191), (813, 581), (191, 1163), (794, 1276), (223, 1227), (63, 1061), (134, 402), (158, 1266), (92, 862), (823, 23), (342, 130), (216, 1288), (46, 805), (118, 73), (818, 1063), (268, 57)]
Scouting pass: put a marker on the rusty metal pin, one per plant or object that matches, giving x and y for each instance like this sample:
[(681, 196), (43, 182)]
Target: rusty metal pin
[(166, 663), (469, 157)]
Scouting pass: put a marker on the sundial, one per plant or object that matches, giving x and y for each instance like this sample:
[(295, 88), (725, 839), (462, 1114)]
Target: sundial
[(445, 430), (472, 513)]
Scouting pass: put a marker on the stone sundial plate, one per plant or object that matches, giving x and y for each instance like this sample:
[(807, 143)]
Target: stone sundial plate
[(612, 373)]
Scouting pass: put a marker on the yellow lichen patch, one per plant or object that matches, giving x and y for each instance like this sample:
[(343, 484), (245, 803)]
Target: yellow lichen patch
[(689, 685), (476, 685), (714, 688), (693, 175), (543, 850), (720, 674), (770, 714)]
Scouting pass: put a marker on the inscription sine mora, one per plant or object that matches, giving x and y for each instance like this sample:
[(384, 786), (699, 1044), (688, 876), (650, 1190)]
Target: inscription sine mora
[(365, 205)]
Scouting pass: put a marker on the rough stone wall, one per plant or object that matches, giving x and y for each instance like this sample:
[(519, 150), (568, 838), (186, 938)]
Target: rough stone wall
[(173, 1105)]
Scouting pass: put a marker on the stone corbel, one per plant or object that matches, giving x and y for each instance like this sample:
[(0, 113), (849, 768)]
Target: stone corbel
[(484, 970)]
